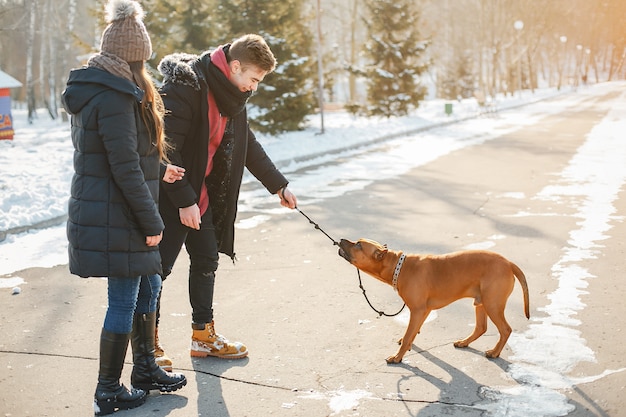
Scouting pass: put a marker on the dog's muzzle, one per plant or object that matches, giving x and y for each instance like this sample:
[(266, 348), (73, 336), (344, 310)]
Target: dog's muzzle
[(342, 252)]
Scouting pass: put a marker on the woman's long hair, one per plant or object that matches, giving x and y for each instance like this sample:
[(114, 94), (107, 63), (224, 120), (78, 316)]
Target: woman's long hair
[(152, 108)]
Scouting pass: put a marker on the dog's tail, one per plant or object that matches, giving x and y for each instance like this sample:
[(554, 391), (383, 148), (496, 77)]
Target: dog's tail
[(522, 280)]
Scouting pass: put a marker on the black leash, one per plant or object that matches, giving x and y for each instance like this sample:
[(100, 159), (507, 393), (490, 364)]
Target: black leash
[(358, 271), (317, 226), (380, 312)]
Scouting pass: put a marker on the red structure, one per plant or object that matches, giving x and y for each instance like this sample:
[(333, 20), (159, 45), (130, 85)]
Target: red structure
[(6, 120)]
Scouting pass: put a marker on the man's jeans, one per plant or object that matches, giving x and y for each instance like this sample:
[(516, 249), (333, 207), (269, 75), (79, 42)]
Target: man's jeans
[(201, 245)]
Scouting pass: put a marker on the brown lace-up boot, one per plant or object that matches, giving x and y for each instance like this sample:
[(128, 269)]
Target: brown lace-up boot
[(205, 342), (160, 357)]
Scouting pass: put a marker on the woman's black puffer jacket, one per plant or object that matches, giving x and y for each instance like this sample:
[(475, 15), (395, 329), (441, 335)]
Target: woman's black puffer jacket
[(114, 195)]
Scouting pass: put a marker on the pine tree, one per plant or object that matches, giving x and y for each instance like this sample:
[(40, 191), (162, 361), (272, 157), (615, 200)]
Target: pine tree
[(465, 75), (181, 26), (396, 53), (286, 96), (458, 81)]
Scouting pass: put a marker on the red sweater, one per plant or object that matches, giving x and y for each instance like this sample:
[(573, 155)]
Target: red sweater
[(217, 125)]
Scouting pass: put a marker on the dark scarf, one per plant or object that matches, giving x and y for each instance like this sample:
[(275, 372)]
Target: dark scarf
[(230, 100)]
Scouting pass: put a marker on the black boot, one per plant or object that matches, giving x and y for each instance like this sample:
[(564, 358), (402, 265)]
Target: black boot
[(147, 375), (110, 396)]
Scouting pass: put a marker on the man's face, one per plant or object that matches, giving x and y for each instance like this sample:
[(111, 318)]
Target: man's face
[(246, 78)]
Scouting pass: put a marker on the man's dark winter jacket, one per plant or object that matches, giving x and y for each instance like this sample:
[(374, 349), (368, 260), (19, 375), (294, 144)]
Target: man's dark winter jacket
[(184, 94), (114, 196)]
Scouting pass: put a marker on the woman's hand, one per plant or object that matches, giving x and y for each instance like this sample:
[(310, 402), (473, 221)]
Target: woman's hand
[(154, 240), (173, 173)]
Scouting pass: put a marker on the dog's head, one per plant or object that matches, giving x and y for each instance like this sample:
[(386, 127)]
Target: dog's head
[(362, 253)]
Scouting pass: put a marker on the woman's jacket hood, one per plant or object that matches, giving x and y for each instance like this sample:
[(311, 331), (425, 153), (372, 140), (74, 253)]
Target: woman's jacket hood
[(86, 83)]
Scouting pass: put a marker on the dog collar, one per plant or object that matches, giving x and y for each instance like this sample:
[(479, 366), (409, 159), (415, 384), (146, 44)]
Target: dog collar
[(396, 272)]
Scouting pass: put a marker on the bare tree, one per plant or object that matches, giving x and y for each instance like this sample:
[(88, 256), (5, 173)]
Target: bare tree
[(51, 35), (474, 42), (320, 65), (30, 51), (354, 47), (67, 41), (43, 32)]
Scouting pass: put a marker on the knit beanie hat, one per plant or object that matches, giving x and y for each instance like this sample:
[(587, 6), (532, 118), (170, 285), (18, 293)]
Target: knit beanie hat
[(126, 36)]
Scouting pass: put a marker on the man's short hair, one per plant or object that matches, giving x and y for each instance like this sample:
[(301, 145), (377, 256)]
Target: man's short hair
[(252, 49)]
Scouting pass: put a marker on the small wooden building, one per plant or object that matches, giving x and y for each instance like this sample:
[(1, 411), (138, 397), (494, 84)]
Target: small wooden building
[(6, 120)]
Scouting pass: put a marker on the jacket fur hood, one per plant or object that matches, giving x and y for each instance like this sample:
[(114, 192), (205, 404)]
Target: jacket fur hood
[(178, 69)]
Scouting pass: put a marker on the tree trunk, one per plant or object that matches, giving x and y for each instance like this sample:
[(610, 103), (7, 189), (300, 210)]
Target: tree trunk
[(44, 32), (353, 48), (320, 66), (53, 62), (67, 44), (30, 51)]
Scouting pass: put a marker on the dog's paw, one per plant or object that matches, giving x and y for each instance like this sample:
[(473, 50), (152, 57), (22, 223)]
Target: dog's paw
[(491, 354), (394, 359), (461, 344)]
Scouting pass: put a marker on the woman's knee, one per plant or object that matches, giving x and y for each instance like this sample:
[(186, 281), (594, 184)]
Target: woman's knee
[(149, 290), (122, 302)]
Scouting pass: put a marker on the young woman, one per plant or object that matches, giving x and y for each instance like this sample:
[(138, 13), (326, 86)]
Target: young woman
[(114, 226)]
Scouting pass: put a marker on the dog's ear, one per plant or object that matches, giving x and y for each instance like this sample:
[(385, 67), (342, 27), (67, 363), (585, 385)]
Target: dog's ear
[(380, 254)]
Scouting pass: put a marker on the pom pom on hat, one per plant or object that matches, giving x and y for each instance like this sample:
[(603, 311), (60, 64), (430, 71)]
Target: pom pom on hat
[(126, 36), (123, 9)]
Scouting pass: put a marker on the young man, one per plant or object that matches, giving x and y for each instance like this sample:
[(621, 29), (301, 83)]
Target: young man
[(206, 122)]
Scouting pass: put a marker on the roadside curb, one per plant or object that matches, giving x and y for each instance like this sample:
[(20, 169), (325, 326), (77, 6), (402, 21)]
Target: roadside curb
[(44, 224), (433, 125), (285, 162)]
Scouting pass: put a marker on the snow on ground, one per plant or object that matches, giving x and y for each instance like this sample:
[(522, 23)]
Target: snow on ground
[(37, 169), (541, 376)]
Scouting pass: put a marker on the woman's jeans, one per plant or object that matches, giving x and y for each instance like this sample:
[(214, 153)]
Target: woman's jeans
[(128, 296)]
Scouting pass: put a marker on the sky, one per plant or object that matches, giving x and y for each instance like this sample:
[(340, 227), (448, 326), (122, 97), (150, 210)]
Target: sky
[(37, 170)]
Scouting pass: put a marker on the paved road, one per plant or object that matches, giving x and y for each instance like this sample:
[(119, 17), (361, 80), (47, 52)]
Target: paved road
[(317, 349)]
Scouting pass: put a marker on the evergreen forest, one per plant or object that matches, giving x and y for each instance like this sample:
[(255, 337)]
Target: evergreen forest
[(371, 57)]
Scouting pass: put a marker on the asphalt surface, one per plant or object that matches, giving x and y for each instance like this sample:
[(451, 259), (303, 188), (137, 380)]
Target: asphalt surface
[(316, 347)]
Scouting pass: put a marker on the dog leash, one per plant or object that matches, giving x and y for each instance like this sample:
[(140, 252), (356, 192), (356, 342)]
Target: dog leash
[(317, 226), (358, 271)]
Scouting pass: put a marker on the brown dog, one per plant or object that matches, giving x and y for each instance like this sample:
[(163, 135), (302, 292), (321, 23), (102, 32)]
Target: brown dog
[(430, 282)]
